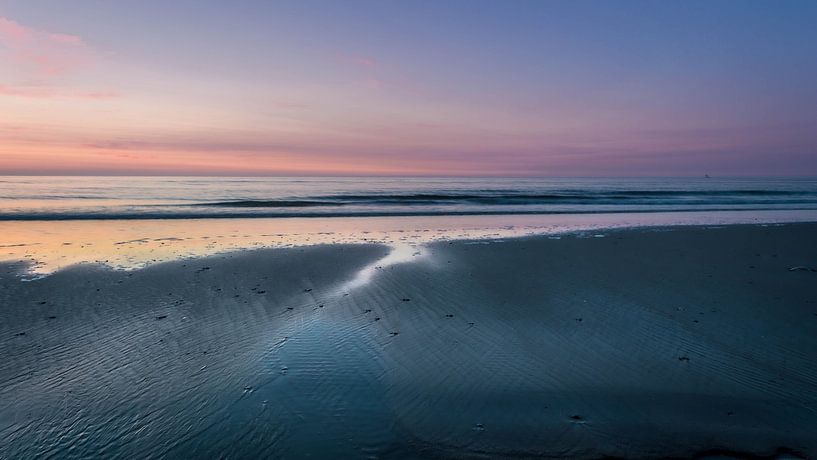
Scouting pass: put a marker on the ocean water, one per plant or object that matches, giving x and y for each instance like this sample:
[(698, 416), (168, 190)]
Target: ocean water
[(67, 198), (131, 222)]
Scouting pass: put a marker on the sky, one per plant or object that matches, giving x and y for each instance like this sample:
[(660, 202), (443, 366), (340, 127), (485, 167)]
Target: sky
[(421, 87)]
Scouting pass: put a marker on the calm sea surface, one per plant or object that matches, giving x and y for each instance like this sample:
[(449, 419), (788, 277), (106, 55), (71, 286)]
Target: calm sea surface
[(63, 198)]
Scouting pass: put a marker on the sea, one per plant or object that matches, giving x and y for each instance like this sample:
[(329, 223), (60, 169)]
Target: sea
[(50, 223), (69, 198)]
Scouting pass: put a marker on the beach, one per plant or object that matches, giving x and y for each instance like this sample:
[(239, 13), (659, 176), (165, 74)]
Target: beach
[(639, 343), (408, 230)]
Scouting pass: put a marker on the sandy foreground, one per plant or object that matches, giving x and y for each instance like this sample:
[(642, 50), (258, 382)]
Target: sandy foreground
[(642, 343)]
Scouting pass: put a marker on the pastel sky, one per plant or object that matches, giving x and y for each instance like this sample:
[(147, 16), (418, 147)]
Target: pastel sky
[(454, 87)]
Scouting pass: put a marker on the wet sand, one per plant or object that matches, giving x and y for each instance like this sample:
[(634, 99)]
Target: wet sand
[(683, 342), (49, 246)]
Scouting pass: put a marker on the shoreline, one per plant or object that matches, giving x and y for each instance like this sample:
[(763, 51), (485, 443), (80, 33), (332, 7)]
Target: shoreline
[(645, 343), (49, 246)]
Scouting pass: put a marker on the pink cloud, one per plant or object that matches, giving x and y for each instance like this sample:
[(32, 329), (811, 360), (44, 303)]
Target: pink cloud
[(11, 31), (51, 92), (372, 76), (67, 39), (374, 83), (360, 61), (98, 95), (38, 58), (289, 104), (40, 54), (25, 91)]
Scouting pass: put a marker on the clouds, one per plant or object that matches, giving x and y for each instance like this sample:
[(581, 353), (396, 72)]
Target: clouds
[(405, 149), (366, 70), (10, 31), (37, 63), (40, 54), (275, 88), (357, 60), (52, 92)]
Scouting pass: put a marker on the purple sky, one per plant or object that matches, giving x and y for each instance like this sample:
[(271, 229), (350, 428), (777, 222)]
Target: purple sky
[(538, 88)]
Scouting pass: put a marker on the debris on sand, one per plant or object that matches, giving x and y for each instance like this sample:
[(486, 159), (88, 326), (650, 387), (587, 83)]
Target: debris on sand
[(802, 269)]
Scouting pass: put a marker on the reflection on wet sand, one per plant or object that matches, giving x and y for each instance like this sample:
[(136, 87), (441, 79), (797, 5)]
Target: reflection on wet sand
[(685, 342), (48, 246)]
